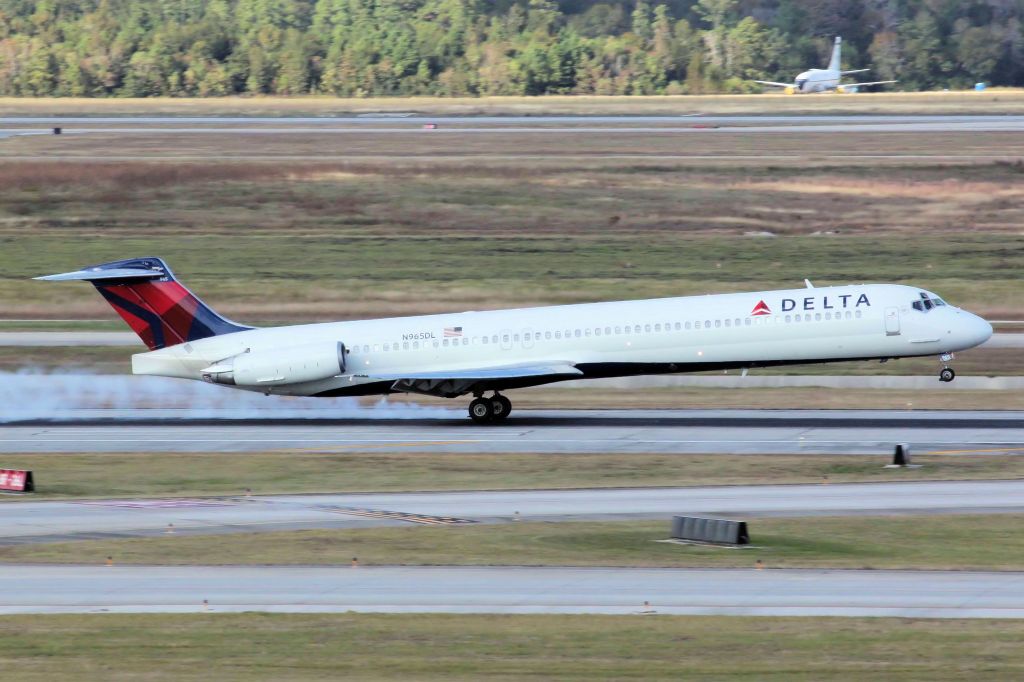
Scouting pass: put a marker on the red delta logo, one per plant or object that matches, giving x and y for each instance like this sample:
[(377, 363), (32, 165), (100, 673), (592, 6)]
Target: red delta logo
[(761, 309)]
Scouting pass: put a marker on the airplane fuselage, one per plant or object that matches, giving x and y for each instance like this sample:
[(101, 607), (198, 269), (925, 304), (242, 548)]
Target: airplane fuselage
[(693, 333), (817, 80)]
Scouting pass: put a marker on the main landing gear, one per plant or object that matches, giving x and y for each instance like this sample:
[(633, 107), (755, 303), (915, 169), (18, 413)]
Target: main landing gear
[(485, 410), (947, 374)]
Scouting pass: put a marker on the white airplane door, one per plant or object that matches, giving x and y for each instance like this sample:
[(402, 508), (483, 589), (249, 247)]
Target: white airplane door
[(892, 321)]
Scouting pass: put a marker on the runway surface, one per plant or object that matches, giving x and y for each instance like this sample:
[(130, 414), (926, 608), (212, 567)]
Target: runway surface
[(493, 125), (409, 428), (909, 594), (91, 519), (412, 118)]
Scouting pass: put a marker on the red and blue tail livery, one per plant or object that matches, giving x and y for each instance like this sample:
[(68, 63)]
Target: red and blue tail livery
[(155, 305)]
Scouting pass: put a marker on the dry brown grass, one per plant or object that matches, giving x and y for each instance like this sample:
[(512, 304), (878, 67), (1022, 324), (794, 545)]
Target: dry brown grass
[(125, 176), (623, 151), (992, 101), (896, 188), (320, 227), (519, 199)]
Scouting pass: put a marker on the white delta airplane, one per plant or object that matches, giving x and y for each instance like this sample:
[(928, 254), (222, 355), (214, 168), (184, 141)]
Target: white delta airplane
[(456, 354), (822, 80)]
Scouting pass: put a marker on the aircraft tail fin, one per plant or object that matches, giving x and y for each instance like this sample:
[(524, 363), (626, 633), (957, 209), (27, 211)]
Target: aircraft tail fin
[(157, 307), (833, 64)]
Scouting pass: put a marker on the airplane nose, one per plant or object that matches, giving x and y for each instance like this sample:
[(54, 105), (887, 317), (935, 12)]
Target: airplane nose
[(979, 330)]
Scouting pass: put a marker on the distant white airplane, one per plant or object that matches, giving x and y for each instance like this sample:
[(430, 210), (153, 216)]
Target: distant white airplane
[(456, 354), (823, 80)]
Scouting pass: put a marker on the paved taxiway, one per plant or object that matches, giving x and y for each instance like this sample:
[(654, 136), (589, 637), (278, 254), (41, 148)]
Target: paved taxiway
[(973, 127), (90, 519), (491, 125), (419, 119), (208, 428), (915, 594)]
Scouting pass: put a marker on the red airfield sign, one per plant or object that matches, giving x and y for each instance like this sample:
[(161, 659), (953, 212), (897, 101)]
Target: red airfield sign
[(16, 480)]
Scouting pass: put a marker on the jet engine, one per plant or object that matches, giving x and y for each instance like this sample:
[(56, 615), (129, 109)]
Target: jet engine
[(293, 365)]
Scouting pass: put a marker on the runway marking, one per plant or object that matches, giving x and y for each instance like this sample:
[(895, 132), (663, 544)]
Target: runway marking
[(389, 442), (397, 516), (156, 504), (617, 440), (343, 446), (969, 452), (561, 157)]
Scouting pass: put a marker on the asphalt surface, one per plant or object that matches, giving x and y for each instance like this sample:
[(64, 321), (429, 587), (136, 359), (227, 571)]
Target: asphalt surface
[(26, 522), (211, 427), (909, 594), (73, 338), (417, 119), (972, 127), (494, 125)]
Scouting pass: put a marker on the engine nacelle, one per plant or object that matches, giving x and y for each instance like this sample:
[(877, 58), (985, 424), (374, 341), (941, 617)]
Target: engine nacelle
[(293, 365)]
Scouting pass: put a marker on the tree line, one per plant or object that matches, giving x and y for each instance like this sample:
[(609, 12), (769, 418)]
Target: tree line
[(143, 48)]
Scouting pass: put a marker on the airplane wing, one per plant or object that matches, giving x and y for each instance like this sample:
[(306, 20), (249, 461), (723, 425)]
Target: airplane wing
[(451, 383), (479, 373), (861, 85), (777, 85)]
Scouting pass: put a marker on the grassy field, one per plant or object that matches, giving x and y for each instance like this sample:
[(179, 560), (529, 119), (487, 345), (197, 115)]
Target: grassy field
[(992, 101), (897, 542), (341, 240), (341, 470), (251, 646)]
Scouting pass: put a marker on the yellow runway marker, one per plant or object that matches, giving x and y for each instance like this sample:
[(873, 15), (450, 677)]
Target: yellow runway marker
[(974, 452)]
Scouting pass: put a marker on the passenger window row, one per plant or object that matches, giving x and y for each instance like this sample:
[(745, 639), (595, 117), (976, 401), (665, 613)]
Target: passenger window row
[(621, 330)]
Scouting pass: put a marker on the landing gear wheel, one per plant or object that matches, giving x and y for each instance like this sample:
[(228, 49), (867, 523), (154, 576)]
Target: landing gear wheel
[(947, 374), (481, 410), (501, 406)]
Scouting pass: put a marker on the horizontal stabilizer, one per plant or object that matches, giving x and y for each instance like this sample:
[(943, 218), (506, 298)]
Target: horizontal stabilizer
[(777, 85), (96, 274)]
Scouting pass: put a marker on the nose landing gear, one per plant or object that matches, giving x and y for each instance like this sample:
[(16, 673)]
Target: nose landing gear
[(485, 410), (947, 374)]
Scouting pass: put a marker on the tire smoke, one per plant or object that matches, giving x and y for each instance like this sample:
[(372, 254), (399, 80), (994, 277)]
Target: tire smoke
[(34, 395)]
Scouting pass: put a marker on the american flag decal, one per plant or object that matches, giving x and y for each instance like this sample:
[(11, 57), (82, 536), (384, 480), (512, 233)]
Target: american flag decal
[(451, 332)]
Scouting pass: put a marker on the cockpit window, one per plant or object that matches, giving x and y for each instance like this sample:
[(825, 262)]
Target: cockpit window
[(927, 302)]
